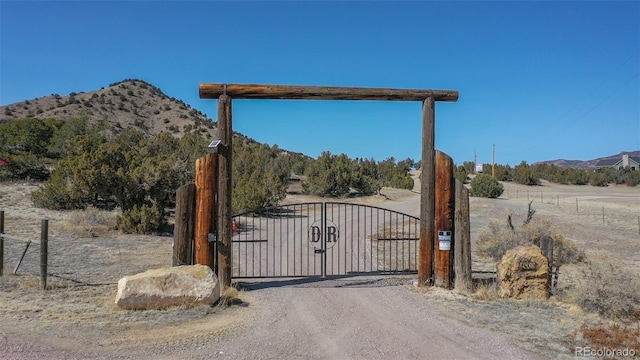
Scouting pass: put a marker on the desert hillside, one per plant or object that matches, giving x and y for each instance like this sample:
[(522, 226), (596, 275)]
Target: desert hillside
[(123, 104)]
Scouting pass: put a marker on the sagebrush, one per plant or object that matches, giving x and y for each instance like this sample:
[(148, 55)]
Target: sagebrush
[(610, 289), (498, 237)]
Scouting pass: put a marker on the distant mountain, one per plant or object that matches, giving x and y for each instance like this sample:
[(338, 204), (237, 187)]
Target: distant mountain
[(129, 103), (588, 164)]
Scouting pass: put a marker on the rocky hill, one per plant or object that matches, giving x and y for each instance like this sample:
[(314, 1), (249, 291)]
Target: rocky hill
[(123, 104), (587, 164)]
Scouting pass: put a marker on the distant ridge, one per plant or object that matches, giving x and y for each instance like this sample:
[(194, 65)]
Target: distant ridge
[(128, 103), (588, 164)]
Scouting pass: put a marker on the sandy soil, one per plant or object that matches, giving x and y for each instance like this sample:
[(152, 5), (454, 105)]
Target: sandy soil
[(286, 318)]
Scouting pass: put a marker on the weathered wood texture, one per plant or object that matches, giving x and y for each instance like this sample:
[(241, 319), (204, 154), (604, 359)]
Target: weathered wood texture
[(546, 245), (183, 233), (225, 135), (427, 194), (445, 191), (44, 253), (206, 168), (253, 91), (462, 241)]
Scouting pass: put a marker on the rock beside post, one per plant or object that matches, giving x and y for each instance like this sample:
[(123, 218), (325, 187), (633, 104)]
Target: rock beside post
[(166, 287), (523, 273)]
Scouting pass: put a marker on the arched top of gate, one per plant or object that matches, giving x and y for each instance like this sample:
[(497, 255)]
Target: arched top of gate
[(297, 92)]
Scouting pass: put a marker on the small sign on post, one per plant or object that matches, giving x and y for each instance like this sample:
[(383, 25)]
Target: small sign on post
[(444, 240)]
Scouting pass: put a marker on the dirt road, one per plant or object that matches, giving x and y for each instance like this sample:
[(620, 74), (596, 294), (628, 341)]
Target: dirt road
[(358, 317)]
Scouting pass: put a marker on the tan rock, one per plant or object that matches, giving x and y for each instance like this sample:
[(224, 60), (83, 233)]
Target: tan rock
[(523, 273), (165, 287)]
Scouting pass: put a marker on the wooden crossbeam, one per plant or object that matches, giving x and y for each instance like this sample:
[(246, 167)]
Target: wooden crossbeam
[(254, 91)]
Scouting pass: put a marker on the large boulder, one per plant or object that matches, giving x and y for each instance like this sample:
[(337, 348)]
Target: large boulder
[(162, 288), (523, 273)]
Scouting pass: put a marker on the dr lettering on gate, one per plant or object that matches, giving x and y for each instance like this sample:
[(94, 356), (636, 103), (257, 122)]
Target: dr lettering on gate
[(315, 234)]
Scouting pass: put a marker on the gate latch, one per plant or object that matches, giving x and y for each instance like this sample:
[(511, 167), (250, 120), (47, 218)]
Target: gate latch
[(319, 251)]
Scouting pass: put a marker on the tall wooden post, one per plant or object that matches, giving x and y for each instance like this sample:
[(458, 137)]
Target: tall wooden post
[(183, 234), (225, 135), (205, 210), (44, 253), (462, 241), (445, 190), (427, 194)]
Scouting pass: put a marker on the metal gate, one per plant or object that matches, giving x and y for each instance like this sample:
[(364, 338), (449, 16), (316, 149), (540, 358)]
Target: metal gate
[(323, 239)]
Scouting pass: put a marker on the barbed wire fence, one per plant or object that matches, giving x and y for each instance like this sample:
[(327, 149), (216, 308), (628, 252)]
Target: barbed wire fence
[(622, 216), (81, 261)]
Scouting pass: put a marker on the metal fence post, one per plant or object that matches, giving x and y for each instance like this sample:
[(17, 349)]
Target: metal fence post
[(44, 239)]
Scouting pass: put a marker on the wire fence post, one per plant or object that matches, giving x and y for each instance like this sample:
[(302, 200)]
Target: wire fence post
[(603, 216), (44, 239), (1, 242), (576, 206)]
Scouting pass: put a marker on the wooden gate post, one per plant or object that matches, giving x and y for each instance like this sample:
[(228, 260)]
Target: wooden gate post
[(205, 209), (184, 225), (444, 220), (225, 135), (427, 194), (462, 241)]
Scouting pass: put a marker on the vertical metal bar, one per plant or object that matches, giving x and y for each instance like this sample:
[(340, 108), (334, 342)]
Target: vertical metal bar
[(1, 242), (294, 241), (396, 241), (352, 238), (359, 238), (44, 252), (323, 245), (378, 241)]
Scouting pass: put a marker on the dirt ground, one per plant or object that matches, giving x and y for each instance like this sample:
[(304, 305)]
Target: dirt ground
[(76, 318)]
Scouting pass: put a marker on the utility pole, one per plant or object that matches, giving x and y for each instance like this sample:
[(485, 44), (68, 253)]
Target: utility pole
[(493, 165), (475, 161)]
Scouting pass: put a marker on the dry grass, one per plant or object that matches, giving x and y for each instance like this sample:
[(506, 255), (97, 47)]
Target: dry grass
[(607, 335), (608, 289), (498, 237), (91, 222)]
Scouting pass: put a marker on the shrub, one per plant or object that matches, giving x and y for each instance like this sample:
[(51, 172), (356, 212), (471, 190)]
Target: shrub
[(496, 238), (56, 194), (141, 220), (461, 175), (598, 179), (606, 335), (91, 221), (609, 289), (485, 185), (633, 179)]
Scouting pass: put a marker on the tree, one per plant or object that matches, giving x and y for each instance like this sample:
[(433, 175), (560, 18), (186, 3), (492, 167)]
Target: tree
[(485, 185), (138, 172), (523, 174), (329, 175), (259, 176)]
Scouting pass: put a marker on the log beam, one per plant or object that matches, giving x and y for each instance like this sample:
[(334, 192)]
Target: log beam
[(254, 91)]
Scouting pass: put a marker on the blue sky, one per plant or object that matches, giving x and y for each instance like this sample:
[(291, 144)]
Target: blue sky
[(540, 80)]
